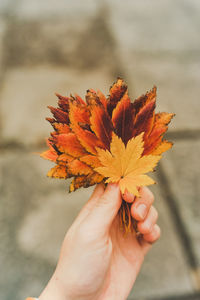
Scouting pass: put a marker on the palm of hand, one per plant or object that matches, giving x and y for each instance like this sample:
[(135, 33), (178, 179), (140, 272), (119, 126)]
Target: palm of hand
[(126, 258)]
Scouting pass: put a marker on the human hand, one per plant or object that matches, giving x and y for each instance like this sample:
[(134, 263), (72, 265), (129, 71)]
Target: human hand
[(97, 260)]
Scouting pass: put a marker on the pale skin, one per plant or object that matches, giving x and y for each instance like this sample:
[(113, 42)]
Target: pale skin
[(97, 261)]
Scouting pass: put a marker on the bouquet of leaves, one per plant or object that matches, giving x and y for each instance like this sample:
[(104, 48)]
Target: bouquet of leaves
[(107, 139)]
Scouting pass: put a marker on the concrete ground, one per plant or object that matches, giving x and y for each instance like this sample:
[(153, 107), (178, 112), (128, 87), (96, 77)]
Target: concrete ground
[(69, 46)]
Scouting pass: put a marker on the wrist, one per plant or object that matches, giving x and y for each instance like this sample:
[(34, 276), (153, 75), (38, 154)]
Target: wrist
[(54, 290)]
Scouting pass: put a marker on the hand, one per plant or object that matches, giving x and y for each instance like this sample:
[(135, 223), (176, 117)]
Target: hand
[(97, 261)]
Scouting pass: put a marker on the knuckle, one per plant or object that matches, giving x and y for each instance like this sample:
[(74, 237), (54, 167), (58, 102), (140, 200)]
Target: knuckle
[(147, 196), (134, 211), (153, 236), (144, 227), (156, 233)]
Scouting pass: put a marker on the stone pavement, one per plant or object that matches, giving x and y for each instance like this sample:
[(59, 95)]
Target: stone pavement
[(70, 46)]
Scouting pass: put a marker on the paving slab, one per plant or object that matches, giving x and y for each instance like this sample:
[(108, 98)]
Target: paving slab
[(190, 296), (24, 255), (85, 43), (181, 167), (5, 5), (2, 33), (177, 89), (76, 10), (15, 202), (158, 45), (154, 25), (36, 212), (27, 92), (30, 42), (165, 271)]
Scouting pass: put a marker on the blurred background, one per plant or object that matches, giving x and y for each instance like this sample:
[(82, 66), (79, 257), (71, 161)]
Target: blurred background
[(67, 46)]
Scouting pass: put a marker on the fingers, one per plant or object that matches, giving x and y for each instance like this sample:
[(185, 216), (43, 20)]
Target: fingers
[(149, 230), (146, 226), (147, 240), (147, 216), (152, 236), (142, 204)]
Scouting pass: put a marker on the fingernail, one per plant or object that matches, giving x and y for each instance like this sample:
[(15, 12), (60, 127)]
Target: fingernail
[(142, 211)]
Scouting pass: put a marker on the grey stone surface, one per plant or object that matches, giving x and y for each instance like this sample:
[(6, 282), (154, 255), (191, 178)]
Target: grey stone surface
[(7, 8), (35, 214), (34, 220), (59, 55), (76, 10), (4, 4), (27, 92), (164, 271), (153, 26), (86, 43), (159, 45), (182, 169), (176, 93), (2, 33), (70, 46), (16, 197)]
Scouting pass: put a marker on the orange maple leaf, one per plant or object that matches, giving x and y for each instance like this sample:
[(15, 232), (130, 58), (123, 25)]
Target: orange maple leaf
[(107, 139), (126, 165)]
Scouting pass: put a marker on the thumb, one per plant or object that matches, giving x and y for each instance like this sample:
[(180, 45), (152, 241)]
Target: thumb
[(105, 209)]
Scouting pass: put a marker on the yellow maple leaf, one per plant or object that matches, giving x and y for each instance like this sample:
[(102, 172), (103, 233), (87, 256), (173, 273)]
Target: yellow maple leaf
[(126, 165)]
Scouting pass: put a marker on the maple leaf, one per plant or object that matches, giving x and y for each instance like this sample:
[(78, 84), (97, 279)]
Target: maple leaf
[(126, 165), (107, 139)]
